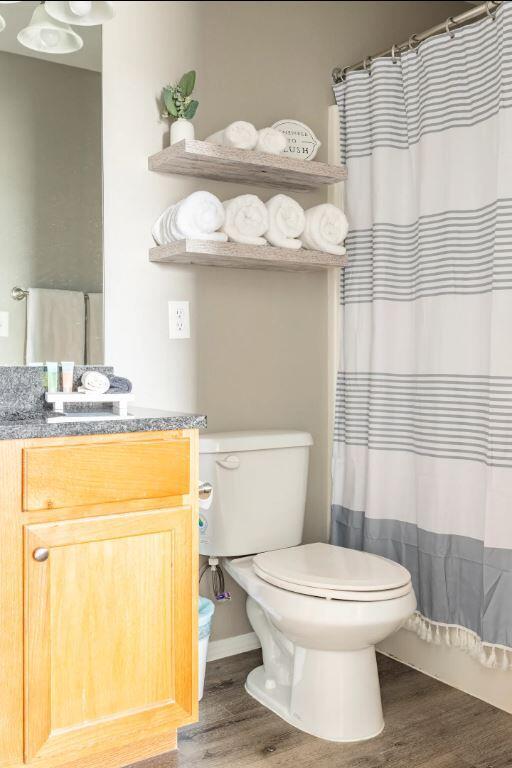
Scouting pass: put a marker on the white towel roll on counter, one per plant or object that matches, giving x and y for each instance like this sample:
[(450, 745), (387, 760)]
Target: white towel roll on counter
[(286, 221), (240, 135), (326, 228), (94, 382), (198, 217), (246, 220), (271, 140)]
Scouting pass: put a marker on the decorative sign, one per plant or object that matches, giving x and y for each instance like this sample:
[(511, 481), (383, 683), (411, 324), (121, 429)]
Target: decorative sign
[(302, 142)]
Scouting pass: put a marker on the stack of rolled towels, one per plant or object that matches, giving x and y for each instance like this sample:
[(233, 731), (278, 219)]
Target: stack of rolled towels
[(245, 219), (97, 383), (244, 135)]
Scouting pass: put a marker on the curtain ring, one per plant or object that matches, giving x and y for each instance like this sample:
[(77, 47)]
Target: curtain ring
[(366, 64), (344, 73), (337, 75), (394, 58), (449, 21), (413, 43), (488, 10)]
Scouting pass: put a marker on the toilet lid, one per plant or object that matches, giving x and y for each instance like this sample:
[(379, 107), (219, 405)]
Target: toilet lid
[(330, 571)]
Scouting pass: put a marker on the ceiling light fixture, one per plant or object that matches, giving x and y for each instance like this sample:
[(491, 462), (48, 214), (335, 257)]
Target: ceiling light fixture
[(46, 35), (80, 12), (2, 23)]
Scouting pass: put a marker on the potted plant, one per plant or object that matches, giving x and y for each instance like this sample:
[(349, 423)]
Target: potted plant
[(181, 107)]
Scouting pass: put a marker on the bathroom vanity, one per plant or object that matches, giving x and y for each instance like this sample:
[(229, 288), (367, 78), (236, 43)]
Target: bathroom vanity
[(98, 520), (98, 590)]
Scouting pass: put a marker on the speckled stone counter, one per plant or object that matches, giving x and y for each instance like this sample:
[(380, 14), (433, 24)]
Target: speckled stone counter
[(22, 387), (27, 425), (23, 411)]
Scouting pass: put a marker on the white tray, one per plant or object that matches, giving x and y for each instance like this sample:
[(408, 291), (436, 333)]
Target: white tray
[(69, 418), (119, 401)]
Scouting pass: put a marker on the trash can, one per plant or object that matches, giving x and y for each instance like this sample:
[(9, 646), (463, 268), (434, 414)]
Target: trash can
[(206, 609)]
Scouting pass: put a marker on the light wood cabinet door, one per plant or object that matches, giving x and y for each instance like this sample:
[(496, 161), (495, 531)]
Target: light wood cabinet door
[(110, 631)]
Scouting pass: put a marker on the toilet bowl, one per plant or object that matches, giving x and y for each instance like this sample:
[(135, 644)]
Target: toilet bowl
[(319, 670), (317, 609)]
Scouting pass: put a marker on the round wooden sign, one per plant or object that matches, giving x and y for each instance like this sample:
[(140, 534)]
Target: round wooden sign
[(302, 142)]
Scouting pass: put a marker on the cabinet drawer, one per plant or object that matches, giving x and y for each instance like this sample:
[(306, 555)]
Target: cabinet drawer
[(99, 473)]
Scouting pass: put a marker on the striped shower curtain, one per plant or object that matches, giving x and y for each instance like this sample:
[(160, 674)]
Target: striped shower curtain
[(422, 460)]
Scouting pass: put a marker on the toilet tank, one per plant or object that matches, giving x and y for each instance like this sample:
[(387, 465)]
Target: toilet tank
[(259, 484)]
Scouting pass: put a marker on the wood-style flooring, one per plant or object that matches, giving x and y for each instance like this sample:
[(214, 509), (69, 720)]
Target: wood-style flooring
[(427, 724)]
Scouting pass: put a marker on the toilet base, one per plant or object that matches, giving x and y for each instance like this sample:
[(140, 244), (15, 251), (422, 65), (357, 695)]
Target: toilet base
[(319, 668), (352, 713)]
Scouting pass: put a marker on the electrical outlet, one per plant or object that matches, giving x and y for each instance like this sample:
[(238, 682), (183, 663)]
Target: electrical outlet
[(179, 320), (4, 323)]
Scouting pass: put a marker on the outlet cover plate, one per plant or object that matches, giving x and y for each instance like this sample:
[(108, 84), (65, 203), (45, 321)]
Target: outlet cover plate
[(179, 320)]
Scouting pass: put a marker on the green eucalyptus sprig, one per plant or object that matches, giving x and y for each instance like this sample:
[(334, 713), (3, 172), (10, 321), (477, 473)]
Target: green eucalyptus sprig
[(178, 99)]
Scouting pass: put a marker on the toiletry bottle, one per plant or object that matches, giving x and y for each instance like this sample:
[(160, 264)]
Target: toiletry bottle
[(67, 376), (52, 372)]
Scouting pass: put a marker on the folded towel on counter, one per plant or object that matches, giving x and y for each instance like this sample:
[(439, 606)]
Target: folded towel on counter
[(271, 140), (240, 134), (326, 228), (94, 382), (118, 385), (286, 221), (246, 220), (198, 217)]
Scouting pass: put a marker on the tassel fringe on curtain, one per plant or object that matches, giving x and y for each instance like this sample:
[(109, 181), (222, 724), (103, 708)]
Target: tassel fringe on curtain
[(490, 656)]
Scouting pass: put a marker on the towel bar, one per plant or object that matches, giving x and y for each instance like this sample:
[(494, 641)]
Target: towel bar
[(18, 294)]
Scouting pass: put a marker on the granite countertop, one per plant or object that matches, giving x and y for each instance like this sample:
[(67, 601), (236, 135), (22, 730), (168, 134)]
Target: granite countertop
[(23, 410), (26, 425)]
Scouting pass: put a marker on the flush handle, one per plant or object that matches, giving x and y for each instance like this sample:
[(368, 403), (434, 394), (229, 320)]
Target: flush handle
[(230, 462), (205, 490), (41, 554)]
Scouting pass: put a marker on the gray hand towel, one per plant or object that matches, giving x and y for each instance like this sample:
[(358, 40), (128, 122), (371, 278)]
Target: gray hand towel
[(118, 385)]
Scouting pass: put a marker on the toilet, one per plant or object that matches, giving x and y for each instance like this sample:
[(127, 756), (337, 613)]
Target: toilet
[(317, 609)]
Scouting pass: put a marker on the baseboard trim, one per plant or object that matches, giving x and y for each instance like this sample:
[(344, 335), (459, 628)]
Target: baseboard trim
[(451, 666), (230, 646)]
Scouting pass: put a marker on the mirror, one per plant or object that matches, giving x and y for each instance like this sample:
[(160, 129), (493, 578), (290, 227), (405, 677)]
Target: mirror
[(51, 227)]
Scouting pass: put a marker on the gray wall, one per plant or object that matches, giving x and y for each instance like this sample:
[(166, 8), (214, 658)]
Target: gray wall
[(50, 184)]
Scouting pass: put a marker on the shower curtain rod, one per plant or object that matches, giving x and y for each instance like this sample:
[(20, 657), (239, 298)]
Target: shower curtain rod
[(338, 73)]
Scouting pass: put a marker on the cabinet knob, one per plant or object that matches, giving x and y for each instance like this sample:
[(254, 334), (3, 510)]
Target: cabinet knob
[(40, 554)]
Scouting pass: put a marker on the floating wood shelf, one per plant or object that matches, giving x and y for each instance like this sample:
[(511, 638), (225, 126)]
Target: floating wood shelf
[(210, 161), (214, 254)]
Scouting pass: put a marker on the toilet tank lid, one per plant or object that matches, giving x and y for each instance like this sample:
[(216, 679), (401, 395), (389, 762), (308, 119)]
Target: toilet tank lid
[(227, 442)]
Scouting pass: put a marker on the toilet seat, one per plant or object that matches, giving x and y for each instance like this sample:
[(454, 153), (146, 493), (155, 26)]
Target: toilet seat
[(336, 573)]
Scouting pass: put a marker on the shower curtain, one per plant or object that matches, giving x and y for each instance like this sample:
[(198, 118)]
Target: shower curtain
[(422, 465)]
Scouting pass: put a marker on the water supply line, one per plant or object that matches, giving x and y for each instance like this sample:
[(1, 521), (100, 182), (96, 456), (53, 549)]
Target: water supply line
[(216, 574)]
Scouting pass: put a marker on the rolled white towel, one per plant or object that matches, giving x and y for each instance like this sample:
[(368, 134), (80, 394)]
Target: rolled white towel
[(198, 216), (286, 221), (240, 135), (94, 382), (271, 140), (326, 228), (246, 220)]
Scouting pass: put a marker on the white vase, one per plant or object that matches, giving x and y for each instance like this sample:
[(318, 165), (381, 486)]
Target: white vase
[(181, 129)]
